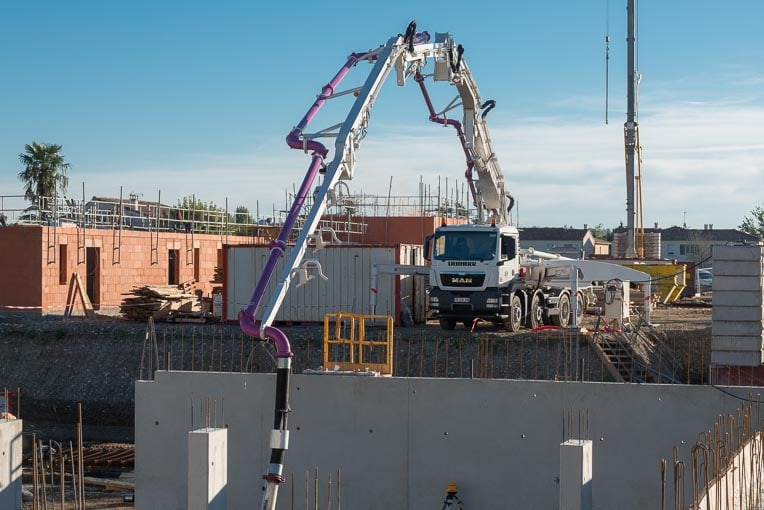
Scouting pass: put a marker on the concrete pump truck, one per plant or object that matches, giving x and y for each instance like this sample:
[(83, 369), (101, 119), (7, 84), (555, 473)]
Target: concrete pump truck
[(491, 280)]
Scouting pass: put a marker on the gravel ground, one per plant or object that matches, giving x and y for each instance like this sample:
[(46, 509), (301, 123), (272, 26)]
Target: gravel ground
[(59, 363)]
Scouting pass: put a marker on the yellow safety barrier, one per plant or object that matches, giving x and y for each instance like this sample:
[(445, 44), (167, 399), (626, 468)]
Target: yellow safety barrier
[(349, 331)]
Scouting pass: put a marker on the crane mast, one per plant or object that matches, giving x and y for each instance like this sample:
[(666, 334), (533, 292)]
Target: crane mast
[(631, 130)]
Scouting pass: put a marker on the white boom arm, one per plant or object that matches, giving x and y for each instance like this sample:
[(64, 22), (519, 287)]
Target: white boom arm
[(407, 54)]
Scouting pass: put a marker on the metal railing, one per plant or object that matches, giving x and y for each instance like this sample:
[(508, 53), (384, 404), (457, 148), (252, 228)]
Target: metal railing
[(345, 216)]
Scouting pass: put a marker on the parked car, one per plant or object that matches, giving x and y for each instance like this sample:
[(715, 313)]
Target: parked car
[(705, 279), (30, 215)]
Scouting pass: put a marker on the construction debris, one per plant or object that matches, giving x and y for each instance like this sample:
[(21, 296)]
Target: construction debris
[(164, 303)]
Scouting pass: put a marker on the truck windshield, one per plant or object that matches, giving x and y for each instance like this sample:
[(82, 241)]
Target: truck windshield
[(465, 245)]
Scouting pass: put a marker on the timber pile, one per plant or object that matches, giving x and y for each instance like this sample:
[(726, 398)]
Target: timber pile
[(217, 276), (162, 302)]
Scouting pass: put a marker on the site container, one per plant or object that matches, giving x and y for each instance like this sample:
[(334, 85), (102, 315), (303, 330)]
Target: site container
[(348, 288)]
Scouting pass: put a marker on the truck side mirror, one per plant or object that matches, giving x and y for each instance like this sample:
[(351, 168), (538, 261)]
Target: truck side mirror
[(427, 247)]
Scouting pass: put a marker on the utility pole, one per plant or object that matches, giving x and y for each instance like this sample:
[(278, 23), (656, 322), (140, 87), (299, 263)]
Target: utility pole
[(630, 132)]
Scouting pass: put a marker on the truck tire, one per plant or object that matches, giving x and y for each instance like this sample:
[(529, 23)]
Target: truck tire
[(447, 323), (562, 319), (536, 312), (515, 320)]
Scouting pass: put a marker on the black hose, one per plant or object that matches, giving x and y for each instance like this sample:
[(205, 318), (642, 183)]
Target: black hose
[(410, 33), (487, 107), (459, 53)]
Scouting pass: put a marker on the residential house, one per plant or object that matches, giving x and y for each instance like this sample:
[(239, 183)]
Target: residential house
[(566, 241), (694, 245)]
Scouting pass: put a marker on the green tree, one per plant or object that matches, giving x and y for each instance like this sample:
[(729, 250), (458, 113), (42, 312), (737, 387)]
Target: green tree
[(242, 215), (600, 232), (754, 224), (44, 170)]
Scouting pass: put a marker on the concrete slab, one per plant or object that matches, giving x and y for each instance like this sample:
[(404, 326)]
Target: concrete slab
[(10, 464), (738, 328), (738, 298), (737, 313), (737, 343), (737, 268), (743, 359), (746, 253), (753, 283)]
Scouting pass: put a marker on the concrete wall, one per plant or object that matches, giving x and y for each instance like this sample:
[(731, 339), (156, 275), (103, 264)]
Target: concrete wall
[(398, 442), (10, 464)]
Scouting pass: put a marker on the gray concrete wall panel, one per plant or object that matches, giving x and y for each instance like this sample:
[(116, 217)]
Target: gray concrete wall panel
[(739, 358), (752, 283), (737, 313), (738, 298), (737, 343), (398, 441), (737, 268), (740, 253), (10, 464), (739, 328)]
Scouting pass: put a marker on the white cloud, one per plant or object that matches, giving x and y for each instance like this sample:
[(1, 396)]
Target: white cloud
[(703, 161)]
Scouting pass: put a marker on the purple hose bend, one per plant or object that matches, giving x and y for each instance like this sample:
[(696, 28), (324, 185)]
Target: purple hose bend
[(278, 247), (419, 78)]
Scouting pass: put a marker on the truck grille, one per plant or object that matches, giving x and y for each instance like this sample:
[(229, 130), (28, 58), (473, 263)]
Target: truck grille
[(462, 279)]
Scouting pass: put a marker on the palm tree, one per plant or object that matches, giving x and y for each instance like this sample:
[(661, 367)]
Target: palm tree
[(44, 172)]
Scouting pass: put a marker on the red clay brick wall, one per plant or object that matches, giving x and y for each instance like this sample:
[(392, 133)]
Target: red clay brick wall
[(396, 230), (30, 267), (20, 263)]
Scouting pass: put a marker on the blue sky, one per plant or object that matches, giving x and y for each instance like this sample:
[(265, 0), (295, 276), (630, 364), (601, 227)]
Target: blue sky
[(197, 97)]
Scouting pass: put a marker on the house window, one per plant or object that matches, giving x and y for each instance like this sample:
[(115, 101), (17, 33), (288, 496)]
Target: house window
[(62, 265)]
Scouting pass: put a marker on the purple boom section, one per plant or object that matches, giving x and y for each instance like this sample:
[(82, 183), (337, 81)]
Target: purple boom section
[(294, 140)]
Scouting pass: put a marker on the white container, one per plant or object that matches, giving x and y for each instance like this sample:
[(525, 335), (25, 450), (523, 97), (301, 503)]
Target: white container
[(348, 288)]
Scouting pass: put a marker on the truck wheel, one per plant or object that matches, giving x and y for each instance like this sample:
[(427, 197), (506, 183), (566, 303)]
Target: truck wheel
[(562, 319), (536, 312), (447, 324), (580, 307), (515, 319)]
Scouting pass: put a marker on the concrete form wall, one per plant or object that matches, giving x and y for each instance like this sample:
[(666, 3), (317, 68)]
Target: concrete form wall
[(398, 442), (30, 272), (738, 312), (10, 464), (347, 290)]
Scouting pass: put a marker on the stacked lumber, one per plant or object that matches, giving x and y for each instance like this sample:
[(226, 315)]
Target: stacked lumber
[(162, 302), (217, 276)]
